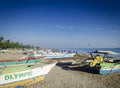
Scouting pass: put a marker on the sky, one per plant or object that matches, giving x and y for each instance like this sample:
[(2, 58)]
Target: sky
[(61, 23)]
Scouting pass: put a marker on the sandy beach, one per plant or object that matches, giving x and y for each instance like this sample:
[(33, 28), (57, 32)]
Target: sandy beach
[(11, 55), (60, 77), (59, 43), (80, 77)]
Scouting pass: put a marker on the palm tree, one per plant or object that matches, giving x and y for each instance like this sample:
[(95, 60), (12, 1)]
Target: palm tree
[(1, 38), (1, 42)]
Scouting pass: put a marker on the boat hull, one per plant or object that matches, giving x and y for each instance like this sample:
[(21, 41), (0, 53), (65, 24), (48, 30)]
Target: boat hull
[(20, 62), (19, 84), (27, 75), (107, 68)]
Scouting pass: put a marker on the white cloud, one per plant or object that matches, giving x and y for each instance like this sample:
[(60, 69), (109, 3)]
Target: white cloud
[(116, 31), (116, 43)]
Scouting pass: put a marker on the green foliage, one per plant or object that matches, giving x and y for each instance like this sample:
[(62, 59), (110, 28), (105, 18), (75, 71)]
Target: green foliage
[(4, 44)]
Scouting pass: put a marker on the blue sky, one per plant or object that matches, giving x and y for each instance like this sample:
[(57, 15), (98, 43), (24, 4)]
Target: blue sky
[(61, 23)]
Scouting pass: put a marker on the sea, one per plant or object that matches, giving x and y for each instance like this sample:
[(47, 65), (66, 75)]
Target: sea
[(87, 50)]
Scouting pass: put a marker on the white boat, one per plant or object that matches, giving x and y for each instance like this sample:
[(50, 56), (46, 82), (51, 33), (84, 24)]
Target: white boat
[(59, 55), (20, 76), (50, 54)]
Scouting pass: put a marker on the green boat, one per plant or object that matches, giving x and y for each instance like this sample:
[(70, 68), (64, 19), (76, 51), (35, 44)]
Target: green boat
[(105, 62), (23, 61)]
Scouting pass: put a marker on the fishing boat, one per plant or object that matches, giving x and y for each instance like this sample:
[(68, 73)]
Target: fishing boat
[(105, 61), (58, 55), (21, 61), (55, 55), (20, 76), (52, 53)]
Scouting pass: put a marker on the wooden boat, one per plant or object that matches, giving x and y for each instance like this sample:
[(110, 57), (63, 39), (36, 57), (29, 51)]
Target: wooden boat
[(20, 76), (105, 63), (53, 54), (58, 55), (22, 61), (107, 68)]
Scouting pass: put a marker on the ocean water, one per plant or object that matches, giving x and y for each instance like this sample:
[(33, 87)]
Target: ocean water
[(87, 50)]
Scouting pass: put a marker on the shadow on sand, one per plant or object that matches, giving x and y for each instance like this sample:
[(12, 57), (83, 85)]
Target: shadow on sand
[(84, 68)]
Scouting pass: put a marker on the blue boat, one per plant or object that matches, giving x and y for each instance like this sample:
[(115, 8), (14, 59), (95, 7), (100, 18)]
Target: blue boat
[(104, 61)]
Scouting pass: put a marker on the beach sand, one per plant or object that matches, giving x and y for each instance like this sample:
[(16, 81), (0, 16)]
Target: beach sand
[(11, 55), (81, 77), (60, 77)]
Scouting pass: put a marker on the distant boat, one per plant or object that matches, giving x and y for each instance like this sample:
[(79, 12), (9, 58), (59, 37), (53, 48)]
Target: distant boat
[(53, 53), (19, 76), (105, 63), (49, 54), (59, 55)]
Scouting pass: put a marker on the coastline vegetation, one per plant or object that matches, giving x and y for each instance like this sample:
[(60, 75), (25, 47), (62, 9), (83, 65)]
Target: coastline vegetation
[(6, 43)]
